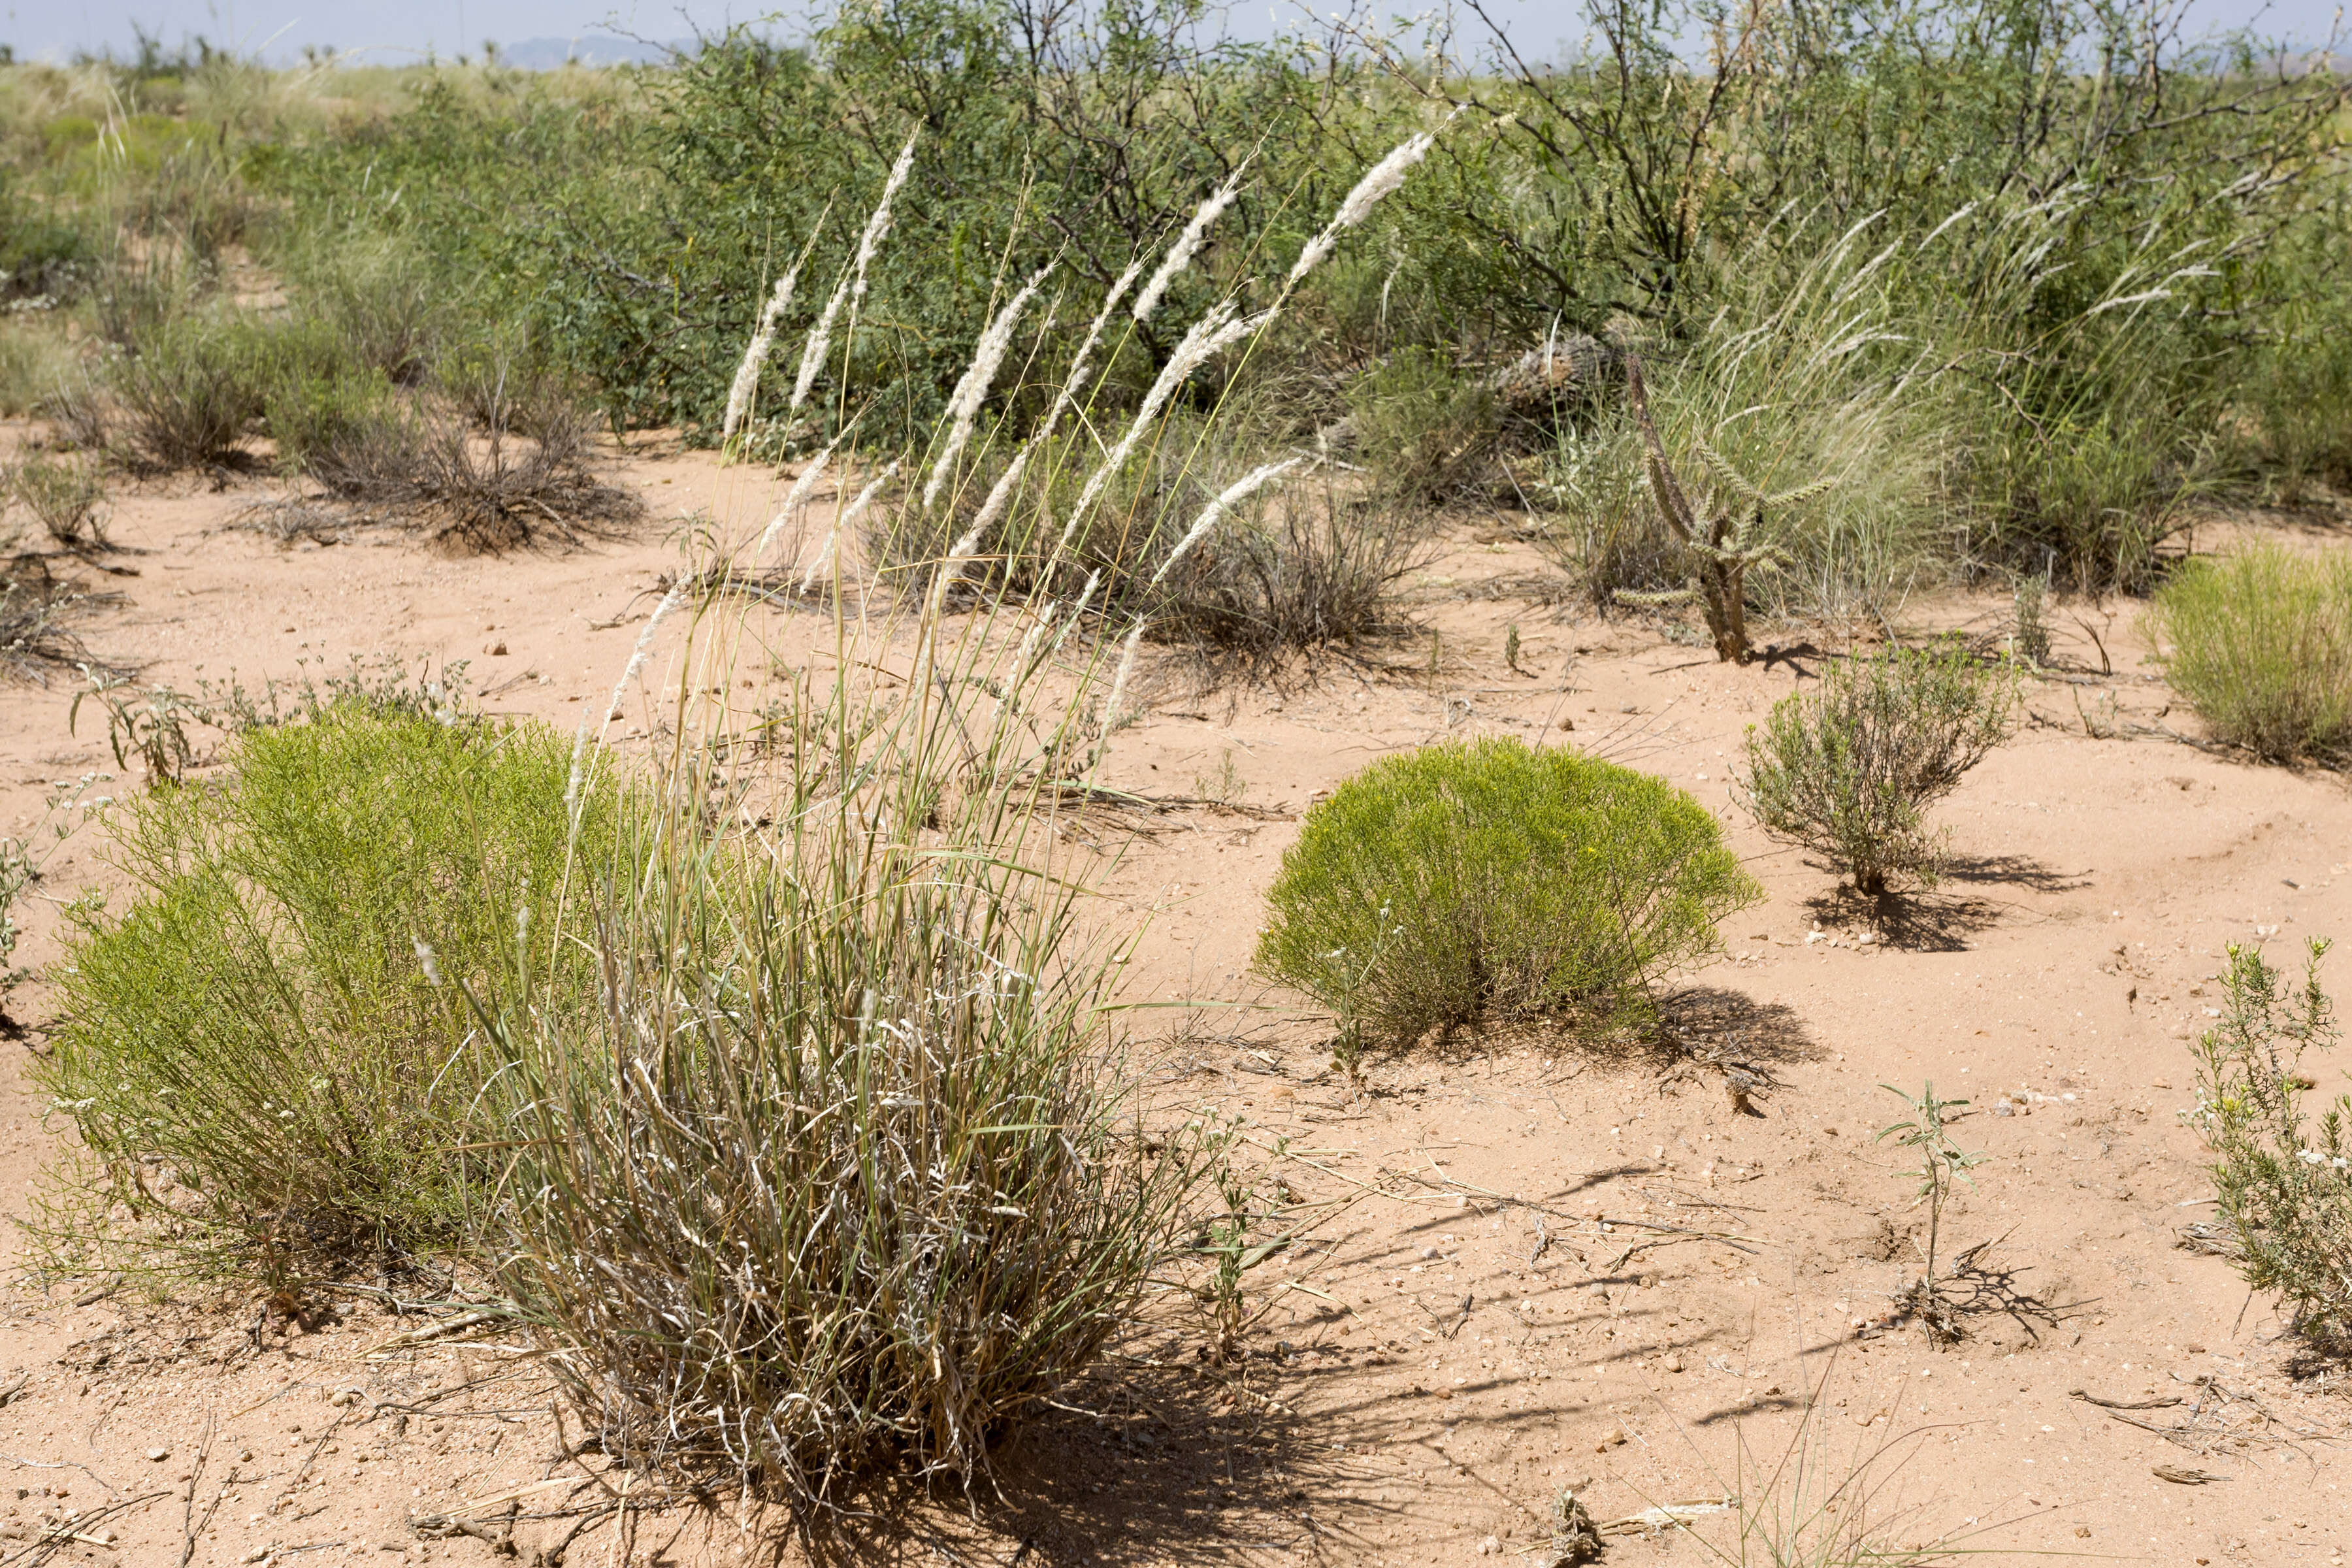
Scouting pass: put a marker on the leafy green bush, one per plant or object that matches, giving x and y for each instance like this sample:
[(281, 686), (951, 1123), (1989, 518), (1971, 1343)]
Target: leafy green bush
[(1488, 880), (2260, 645), (262, 1029), (2286, 1186), (1849, 770)]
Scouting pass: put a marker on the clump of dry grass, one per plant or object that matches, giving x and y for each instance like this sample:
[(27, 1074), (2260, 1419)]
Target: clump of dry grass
[(38, 613), (63, 496), (523, 479)]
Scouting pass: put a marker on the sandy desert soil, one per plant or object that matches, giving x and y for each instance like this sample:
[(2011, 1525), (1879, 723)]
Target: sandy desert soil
[(1541, 1267)]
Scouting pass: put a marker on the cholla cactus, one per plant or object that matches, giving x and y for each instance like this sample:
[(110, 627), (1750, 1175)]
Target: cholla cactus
[(1722, 537)]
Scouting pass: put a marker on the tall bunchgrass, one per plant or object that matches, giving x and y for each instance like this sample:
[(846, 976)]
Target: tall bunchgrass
[(843, 1172), (1804, 381), (2260, 643)]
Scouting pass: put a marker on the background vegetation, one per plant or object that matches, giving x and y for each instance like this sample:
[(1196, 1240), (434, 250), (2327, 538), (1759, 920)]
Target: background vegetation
[(1991, 284)]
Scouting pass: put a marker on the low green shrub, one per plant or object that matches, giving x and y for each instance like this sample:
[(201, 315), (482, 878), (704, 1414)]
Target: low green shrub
[(262, 1066), (1849, 770), (376, 300), (2260, 645), (341, 425), (1492, 881), (2285, 1185)]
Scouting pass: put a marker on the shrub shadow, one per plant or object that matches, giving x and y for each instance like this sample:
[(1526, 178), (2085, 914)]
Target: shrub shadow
[(1708, 1023), (2022, 869), (1153, 1452)]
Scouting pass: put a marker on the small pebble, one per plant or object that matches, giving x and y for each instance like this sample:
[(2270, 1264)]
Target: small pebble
[(157, 1456)]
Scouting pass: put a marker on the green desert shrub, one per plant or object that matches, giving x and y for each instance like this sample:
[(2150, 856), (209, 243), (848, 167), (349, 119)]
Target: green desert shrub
[(2261, 645), (2285, 1184), (1849, 770), (192, 391), (1489, 879), (341, 425), (266, 1052), (63, 495)]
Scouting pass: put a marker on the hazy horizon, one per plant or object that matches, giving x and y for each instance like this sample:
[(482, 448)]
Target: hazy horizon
[(386, 32)]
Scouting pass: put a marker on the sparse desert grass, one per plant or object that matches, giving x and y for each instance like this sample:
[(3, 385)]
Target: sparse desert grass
[(2285, 1179), (1848, 771), (1489, 881), (2260, 645)]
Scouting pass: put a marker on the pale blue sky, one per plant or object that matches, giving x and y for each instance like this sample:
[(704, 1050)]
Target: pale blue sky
[(400, 29)]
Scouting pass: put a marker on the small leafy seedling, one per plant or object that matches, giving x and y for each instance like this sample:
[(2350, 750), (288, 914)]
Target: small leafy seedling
[(152, 726), (1942, 1164)]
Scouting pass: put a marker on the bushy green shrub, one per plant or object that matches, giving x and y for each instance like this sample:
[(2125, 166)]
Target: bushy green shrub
[(1489, 879), (1849, 770), (2285, 1185), (2260, 645), (262, 1028)]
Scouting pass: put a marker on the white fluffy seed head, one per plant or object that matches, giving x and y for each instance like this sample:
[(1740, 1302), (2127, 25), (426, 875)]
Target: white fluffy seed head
[(1380, 180), (1188, 244), (991, 509), (1114, 705), (1233, 495), (964, 403), (877, 226), (842, 522), (755, 355), (853, 286), (1215, 331), (793, 500), (1084, 361)]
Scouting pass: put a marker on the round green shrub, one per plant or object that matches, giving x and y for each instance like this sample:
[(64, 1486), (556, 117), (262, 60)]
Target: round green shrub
[(1488, 880), (262, 1025)]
